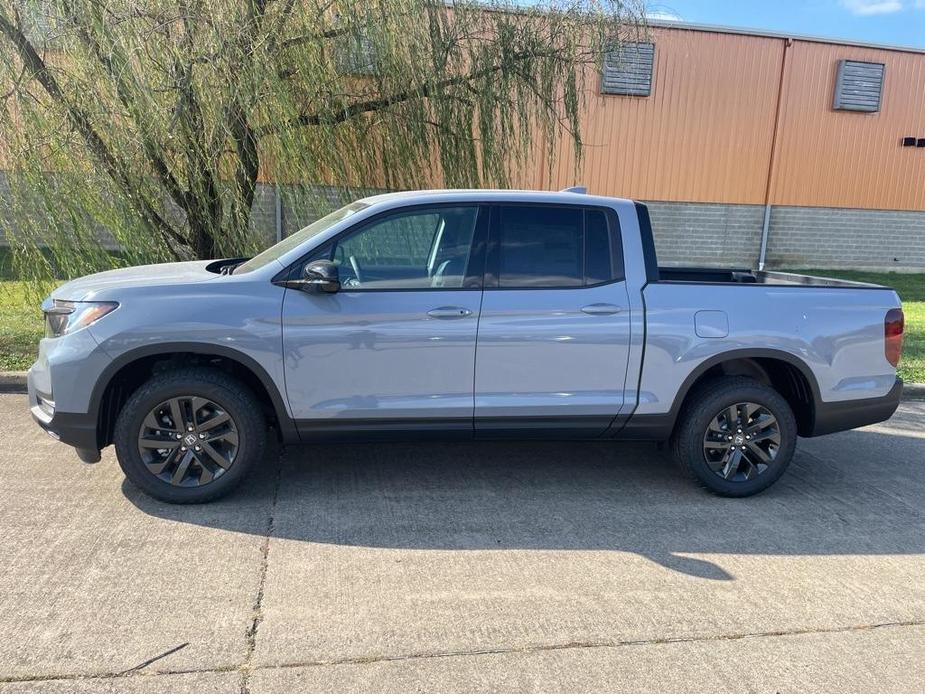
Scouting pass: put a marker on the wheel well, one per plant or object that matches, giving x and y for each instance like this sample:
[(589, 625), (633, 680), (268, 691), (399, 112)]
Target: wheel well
[(785, 378), (131, 375)]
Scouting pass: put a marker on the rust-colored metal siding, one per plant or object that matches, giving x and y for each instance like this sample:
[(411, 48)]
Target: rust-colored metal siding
[(834, 158), (704, 135), (707, 132)]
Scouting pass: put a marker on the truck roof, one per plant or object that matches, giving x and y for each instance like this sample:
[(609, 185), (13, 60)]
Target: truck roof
[(465, 195)]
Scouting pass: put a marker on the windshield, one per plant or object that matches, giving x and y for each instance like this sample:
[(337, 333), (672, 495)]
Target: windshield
[(290, 242)]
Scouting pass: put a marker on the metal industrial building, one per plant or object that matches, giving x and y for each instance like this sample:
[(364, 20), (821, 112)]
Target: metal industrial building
[(819, 143), (752, 149)]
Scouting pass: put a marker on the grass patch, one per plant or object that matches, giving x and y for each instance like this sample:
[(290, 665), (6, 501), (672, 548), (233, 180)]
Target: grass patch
[(20, 326), (911, 288)]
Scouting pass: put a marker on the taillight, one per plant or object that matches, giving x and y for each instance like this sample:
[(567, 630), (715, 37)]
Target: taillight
[(893, 335)]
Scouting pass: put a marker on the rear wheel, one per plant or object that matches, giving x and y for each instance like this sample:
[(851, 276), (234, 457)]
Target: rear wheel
[(735, 436), (189, 436)]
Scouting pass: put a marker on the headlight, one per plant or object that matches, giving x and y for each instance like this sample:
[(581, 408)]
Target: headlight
[(65, 317)]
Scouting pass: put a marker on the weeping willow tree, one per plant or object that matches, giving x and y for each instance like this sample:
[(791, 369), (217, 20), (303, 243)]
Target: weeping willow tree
[(156, 120)]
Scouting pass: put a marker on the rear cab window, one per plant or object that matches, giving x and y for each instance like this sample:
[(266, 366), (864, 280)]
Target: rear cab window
[(551, 247)]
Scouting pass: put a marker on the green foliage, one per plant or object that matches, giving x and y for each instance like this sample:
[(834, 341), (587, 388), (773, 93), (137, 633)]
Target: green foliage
[(20, 326), (155, 120)]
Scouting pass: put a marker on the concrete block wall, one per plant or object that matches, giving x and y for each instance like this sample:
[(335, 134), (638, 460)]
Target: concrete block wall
[(701, 234), (811, 237), (799, 237), (263, 214), (704, 234)]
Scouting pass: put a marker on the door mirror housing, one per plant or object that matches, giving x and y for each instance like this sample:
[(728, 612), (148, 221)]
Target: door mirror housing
[(321, 276), (318, 277)]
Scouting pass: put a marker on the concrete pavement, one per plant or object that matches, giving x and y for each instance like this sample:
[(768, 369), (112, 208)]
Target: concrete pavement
[(467, 567)]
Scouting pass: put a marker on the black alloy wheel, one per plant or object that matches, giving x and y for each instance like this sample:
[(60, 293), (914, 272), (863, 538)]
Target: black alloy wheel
[(741, 441), (188, 441)]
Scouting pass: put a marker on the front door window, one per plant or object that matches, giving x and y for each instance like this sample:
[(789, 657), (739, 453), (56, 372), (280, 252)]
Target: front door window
[(418, 249)]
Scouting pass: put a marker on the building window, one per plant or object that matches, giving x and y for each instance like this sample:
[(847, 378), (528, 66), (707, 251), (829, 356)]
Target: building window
[(628, 69), (859, 86), (355, 54)]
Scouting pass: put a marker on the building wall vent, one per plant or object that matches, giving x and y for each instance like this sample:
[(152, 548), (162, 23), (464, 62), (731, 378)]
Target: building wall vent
[(628, 69), (859, 86)]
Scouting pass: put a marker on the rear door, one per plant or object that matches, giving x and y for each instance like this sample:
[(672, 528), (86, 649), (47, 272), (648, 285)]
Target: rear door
[(554, 332)]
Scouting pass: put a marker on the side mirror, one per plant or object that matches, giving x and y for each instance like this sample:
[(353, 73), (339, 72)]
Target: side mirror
[(320, 276)]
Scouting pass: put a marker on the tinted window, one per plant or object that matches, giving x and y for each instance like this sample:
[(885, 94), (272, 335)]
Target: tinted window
[(421, 249), (598, 265), (540, 247), (552, 247)]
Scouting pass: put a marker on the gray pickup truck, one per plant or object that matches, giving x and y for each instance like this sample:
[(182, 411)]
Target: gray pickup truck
[(470, 314)]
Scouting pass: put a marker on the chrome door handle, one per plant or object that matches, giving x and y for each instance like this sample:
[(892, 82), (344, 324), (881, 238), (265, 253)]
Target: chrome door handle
[(449, 312), (600, 309)]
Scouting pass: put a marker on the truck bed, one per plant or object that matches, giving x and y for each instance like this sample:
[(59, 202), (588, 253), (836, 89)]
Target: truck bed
[(705, 275)]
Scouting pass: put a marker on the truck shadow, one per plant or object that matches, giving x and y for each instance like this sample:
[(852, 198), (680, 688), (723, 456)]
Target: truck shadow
[(861, 492)]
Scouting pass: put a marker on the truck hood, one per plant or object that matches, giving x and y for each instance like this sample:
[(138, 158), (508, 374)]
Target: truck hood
[(86, 288)]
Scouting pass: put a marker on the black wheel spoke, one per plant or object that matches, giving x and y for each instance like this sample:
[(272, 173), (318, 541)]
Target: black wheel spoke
[(741, 441), (732, 465), (771, 435), (731, 415), (749, 469), (176, 414), (180, 472), (197, 404), (153, 421), (230, 437), (758, 453), (214, 421), (214, 455), (206, 474), (158, 443), (761, 423), (720, 463), (188, 441), (158, 466)]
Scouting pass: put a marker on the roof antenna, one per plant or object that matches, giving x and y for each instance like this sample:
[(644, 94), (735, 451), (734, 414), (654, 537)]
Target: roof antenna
[(575, 189)]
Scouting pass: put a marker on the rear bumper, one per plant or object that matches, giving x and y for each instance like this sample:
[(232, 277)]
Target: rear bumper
[(850, 414)]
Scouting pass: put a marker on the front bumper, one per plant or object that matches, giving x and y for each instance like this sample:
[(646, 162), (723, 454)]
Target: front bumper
[(851, 414), (74, 429), (77, 429)]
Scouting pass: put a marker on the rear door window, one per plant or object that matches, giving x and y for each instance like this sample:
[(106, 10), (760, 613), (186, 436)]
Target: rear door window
[(551, 247)]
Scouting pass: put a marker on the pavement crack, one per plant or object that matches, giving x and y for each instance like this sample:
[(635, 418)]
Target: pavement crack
[(257, 609), (603, 644), (501, 650), (142, 665)]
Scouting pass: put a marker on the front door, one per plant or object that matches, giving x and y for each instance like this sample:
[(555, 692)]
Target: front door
[(395, 348), (554, 333)]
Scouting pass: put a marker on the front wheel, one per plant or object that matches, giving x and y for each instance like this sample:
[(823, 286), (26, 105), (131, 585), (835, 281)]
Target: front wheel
[(736, 436), (190, 435)]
